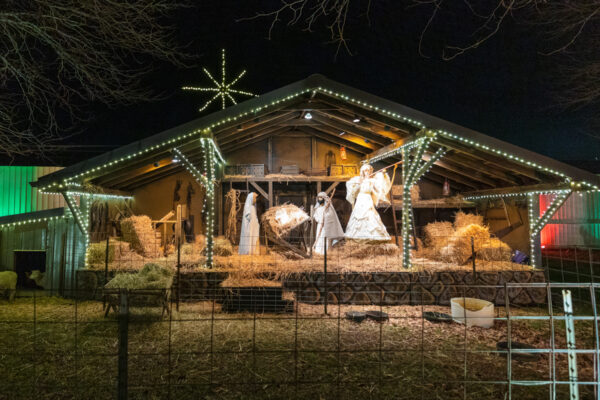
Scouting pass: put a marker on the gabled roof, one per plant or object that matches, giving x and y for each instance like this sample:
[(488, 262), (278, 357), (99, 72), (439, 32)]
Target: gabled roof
[(370, 125)]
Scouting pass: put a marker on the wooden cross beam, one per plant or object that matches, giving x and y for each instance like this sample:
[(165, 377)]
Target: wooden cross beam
[(259, 189)]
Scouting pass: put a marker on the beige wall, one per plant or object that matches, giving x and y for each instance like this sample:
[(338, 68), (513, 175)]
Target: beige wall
[(157, 199)]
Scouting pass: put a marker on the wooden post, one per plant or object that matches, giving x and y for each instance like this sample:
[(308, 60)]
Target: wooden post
[(313, 153), (473, 259), (270, 194), (106, 268), (179, 218), (406, 210), (270, 154), (178, 272), (123, 345), (219, 194), (325, 275), (535, 244)]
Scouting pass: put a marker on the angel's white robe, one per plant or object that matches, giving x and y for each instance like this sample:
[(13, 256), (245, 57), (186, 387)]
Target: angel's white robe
[(364, 194), (249, 235)]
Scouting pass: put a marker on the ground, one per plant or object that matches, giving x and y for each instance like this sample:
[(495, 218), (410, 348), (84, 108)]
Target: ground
[(56, 348)]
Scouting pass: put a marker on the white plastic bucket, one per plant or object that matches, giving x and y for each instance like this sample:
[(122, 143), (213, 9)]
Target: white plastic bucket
[(475, 312)]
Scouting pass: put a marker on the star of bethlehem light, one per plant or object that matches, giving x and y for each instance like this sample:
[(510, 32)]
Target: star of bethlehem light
[(222, 89)]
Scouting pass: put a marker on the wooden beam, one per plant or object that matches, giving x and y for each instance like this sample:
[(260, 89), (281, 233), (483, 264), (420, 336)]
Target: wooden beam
[(249, 123), (247, 134), (259, 189), (270, 198), (348, 128), (454, 177), (331, 187), (139, 168), (469, 174), (490, 159), (238, 144), (270, 154), (313, 152), (379, 129), (456, 159), (359, 148), (392, 146), (267, 123)]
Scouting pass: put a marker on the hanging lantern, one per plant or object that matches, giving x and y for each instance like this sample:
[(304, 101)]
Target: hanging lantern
[(343, 153), (446, 188)]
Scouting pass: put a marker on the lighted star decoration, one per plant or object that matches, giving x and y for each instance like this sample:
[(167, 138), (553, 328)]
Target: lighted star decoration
[(223, 89)]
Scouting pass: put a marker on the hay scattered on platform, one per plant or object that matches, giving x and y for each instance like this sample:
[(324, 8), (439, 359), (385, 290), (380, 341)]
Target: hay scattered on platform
[(151, 276), (495, 250), (280, 220), (462, 220), (458, 250)]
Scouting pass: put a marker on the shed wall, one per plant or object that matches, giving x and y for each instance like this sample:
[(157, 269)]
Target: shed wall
[(576, 223), (16, 194), (61, 239)]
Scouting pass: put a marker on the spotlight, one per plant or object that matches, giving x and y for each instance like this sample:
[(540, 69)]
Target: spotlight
[(308, 116), (342, 133), (175, 160), (356, 119)]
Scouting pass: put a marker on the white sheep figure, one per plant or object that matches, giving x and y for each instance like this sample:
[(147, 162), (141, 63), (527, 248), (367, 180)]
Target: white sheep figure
[(8, 284), (38, 277)]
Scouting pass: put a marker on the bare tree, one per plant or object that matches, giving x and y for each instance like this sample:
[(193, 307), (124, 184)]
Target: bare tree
[(569, 29), (58, 56)]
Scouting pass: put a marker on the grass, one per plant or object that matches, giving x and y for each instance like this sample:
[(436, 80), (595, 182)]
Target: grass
[(61, 349)]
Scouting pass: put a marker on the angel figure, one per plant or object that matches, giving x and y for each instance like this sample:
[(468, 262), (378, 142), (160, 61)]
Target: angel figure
[(364, 192)]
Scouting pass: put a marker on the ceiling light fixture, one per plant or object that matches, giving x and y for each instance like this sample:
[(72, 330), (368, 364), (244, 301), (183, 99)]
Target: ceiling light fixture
[(342, 133), (308, 116), (356, 119)]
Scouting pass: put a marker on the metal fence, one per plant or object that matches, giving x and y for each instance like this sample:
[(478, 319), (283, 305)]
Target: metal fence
[(332, 326)]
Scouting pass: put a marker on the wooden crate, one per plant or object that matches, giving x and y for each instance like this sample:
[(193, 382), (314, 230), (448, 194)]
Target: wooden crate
[(290, 169), (339, 169), (245, 169)]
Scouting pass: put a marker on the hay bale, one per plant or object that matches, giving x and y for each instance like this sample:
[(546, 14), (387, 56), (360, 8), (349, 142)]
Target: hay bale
[(415, 192), (137, 230), (438, 233), (280, 220), (495, 250), (458, 249), (462, 220), (96, 253), (222, 246), (363, 249), (151, 276)]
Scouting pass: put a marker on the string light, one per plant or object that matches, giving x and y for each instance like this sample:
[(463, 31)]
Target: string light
[(29, 221), (180, 139), (223, 89), (517, 194)]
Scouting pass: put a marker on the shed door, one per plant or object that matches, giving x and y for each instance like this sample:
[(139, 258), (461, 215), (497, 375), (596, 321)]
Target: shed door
[(27, 261)]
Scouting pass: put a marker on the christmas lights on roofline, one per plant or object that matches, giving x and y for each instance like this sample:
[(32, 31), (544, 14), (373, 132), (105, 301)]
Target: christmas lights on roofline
[(206, 130)]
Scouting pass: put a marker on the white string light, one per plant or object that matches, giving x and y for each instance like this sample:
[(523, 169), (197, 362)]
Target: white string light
[(222, 89), (29, 221)]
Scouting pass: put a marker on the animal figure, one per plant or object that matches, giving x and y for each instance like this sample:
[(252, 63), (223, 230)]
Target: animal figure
[(38, 277), (8, 284)]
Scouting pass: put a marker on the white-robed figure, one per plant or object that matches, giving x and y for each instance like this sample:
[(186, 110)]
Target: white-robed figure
[(328, 224), (249, 236), (364, 192)]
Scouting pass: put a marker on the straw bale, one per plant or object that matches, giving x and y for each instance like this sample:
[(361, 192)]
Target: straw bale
[(137, 230), (438, 233), (222, 246), (362, 249), (458, 248), (280, 220), (96, 253), (495, 250), (462, 219), (415, 192), (238, 280)]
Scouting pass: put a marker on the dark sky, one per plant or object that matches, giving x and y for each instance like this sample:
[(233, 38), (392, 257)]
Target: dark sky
[(500, 89)]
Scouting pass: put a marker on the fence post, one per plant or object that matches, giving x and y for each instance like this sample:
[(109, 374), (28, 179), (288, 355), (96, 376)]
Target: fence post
[(325, 275), (105, 271), (123, 344), (473, 258), (178, 272)]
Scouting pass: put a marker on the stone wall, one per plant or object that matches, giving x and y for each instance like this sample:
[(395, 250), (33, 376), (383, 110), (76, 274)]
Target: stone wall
[(396, 288)]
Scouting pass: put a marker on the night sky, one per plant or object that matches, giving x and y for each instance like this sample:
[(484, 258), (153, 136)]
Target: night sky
[(500, 89)]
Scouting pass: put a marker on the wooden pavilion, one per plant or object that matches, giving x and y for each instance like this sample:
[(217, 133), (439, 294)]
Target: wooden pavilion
[(296, 133)]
